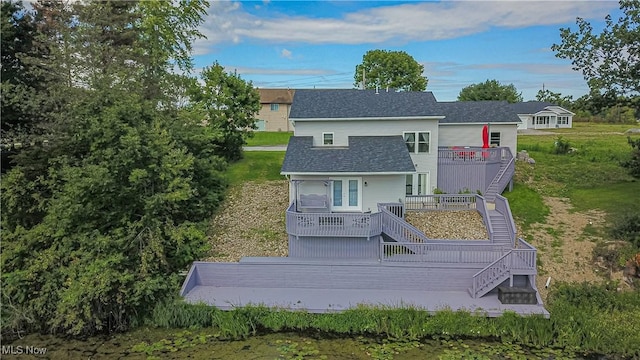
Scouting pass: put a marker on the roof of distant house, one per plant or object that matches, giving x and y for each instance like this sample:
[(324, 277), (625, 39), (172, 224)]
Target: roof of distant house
[(365, 154), (530, 107), (276, 96), (354, 103), (458, 112)]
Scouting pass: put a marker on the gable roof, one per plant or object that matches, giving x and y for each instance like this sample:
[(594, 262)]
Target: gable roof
[(365, 154), (464, 112), (530, 107), (276, 96), (354, 103)]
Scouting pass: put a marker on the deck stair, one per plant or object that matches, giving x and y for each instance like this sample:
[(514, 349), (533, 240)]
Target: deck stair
[(501, 180), (398, 229), (501, 233)]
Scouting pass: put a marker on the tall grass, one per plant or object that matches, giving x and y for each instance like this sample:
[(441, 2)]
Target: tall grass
[(585, 318)]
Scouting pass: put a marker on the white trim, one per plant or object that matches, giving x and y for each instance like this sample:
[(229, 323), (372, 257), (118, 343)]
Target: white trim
[(332, 139), (347, 173), (345, 194), (433, 117), (417, 141)]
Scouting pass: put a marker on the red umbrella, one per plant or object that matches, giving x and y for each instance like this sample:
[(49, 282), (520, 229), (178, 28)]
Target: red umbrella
[(485, 137)]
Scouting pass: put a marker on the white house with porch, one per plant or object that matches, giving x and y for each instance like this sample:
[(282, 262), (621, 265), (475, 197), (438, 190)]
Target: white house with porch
[(542, 115)]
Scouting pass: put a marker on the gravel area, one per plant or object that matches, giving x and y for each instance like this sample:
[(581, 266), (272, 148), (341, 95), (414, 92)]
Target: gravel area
[(251, 222), (456, 225)]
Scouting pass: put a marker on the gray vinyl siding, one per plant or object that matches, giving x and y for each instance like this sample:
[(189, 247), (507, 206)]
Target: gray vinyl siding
[(471, 135), (378, 188), (343, 129), (334, 248)]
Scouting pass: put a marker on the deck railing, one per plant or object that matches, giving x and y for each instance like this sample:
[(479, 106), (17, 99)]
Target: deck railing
[(440, 202), (328, 224), (441, 252), (395, 208), (481, 206), (398, 229), (469, 154), (521, 259), (502, 206)]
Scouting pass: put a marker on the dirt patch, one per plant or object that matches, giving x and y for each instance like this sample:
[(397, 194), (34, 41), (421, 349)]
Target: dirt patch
[(565, 244), (455, 225), (251, 222)]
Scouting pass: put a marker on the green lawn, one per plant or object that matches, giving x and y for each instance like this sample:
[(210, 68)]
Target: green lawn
[(586, 127), (267, 138), (591, 176), (256, 166)]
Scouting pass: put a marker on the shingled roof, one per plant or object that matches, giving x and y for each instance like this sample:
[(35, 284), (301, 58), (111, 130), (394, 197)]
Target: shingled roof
[(459, 112), (276, 96), (530, 107), (353, 103), (365, 154)]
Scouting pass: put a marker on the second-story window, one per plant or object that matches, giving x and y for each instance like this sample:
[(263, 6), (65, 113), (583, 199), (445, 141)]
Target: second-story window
[(327, 138), (494, 139), (275, 107), (417, 142)]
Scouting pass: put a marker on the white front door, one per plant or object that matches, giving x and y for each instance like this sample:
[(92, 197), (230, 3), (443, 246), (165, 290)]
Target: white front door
[(346, 194)]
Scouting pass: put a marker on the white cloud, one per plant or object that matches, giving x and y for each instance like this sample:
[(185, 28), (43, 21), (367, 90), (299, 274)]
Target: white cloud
[(228, 22), (286, 53)]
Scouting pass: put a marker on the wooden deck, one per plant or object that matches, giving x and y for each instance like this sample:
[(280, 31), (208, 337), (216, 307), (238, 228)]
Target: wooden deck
[(321, 286)]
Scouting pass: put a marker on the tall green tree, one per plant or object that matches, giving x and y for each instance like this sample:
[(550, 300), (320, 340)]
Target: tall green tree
[(94, 235), (490, 90), (390, 69), (609, 61), (555, 98), (229, 104)]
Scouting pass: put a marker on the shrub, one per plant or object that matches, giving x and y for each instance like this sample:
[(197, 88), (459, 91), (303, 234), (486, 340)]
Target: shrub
[(561, 146), (628, 228), (633, 163)]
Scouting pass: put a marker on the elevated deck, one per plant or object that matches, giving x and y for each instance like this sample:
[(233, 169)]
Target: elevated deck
[(336, 285)]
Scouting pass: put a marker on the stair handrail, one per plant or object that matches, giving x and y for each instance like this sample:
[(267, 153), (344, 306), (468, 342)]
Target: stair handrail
[(488, 268), (502, 206), (501, 174), (389, 216)]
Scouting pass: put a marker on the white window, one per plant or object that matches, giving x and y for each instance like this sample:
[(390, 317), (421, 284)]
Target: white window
[(346, 194), (423, 184), (494, 139), (275, 107), (563, 120), (417, 142), (409, 185), (327, 138), (542, 120)]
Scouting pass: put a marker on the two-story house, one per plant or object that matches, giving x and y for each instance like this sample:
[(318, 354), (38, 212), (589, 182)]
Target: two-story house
[(275, 105), (360, 160)]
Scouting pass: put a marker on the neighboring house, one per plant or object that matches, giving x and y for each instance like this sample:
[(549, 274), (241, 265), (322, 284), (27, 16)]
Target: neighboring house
[(542, 115), (358, 161), (275, 105)]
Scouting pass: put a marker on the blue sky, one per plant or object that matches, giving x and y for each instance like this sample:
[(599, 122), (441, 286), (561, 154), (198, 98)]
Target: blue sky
[(306, 44)]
